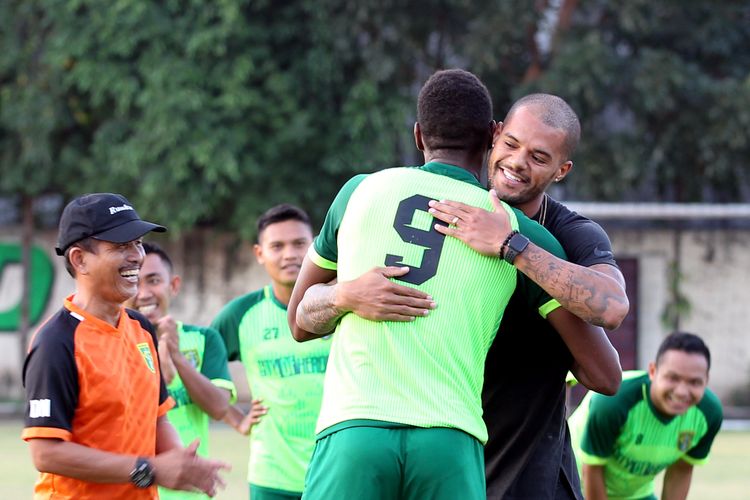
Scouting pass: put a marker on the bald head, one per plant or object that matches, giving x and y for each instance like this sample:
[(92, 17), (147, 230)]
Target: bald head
[(554, 112)]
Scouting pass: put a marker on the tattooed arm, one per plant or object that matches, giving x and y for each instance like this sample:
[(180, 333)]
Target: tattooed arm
[(372, 296), (309, 275), (596, 294)]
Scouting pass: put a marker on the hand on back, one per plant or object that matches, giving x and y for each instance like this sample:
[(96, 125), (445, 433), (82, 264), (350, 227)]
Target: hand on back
[(376, 297)]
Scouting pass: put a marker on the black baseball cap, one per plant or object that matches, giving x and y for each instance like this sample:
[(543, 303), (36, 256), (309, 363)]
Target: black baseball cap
[(103, 216)]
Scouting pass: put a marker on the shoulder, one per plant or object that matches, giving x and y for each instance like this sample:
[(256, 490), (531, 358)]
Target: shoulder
[(57, 331), (205, 331), (629, 394), (584, 240), (538, 234), (711, 408), (238, 306), (140, 318)]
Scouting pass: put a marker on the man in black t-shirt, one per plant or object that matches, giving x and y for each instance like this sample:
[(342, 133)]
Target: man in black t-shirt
[(528, 454)]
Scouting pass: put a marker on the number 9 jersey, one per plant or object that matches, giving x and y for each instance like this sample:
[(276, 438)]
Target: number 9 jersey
[(427, 372)]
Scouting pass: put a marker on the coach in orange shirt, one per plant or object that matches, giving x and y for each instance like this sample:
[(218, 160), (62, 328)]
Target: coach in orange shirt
[(96, 402)]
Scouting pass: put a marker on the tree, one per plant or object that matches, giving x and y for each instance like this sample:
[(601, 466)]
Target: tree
[(663, 90)]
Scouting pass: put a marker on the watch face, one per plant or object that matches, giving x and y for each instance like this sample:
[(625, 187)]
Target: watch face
[(143, 474)]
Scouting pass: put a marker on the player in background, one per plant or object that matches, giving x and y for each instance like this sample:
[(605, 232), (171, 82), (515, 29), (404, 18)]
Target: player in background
[(402, 399), (528, 453), (96, 402), (193, 359), (665, 418), (285, 378)]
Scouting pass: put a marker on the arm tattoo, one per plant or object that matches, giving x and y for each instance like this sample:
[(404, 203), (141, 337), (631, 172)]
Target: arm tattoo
[(585, 292), (317, 313)]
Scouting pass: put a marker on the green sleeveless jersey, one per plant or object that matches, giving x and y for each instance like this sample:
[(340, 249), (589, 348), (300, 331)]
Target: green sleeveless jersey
[(428, 372), (626, 435), (205, 350), (286, 375)]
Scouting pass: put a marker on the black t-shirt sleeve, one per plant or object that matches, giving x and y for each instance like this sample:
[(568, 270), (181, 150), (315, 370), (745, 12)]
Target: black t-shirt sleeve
[(146, 325), (50, 375), (585, 242)]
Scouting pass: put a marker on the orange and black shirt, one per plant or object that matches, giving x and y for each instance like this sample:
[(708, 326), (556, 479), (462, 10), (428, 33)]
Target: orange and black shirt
[(96, 385)]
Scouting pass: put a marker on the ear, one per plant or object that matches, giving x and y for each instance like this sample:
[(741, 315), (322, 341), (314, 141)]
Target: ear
[(498, 132), (258, 250), (174, 284), (651, 370), (563, 170), (77, 259), (418, 137), (493, 131)]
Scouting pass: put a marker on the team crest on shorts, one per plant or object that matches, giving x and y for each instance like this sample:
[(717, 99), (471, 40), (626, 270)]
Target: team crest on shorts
[(146, 353), (684, 440)]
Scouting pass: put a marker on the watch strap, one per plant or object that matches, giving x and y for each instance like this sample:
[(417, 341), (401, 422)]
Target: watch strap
[(142, 475), (516, 244)]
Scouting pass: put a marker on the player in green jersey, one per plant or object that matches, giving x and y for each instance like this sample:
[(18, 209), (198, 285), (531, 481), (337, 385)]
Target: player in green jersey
[(193, 359), (285, 377), (664, 419), (411, 390)]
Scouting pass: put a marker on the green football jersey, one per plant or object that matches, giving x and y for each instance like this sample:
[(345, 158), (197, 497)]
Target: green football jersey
[(286, 375), (428, 372), (626, 435), (205, 350)]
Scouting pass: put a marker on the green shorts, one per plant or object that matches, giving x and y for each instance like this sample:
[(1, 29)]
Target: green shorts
[(262, 493), (398, 462)]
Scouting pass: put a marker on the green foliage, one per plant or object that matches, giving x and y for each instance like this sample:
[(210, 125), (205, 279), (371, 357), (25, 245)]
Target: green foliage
[(207, 113), (663, 89)]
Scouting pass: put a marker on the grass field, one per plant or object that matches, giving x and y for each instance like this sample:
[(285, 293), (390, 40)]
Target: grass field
[(725, 477)]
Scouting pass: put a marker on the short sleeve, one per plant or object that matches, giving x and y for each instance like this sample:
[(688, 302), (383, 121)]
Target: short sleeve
[(215, 367), (227, 324), (325, 245), (50, 379), (711, 409), (605, 419)]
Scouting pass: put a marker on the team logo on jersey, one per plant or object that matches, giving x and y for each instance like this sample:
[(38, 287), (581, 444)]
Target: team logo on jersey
[(685, 440), (146, 353), (193, 357)]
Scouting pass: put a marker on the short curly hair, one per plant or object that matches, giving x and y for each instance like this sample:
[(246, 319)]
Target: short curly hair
[(454, 111)]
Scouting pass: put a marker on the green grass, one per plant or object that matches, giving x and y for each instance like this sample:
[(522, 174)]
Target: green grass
[(725, 477)]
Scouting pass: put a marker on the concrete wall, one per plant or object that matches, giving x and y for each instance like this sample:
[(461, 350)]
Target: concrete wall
[(715, 267)]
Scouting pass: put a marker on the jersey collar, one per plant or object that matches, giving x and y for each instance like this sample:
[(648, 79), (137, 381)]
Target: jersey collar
[(102, 325), (452, 171), (268, 292)]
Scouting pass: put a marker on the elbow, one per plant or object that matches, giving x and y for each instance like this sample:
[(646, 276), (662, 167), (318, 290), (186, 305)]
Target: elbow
[(610, 387), (43, 456), (301, 335), (610, 383), (615, 314)]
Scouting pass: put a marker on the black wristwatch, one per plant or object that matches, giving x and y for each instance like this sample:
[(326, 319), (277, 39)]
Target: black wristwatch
[(516, 244), (143, 473)]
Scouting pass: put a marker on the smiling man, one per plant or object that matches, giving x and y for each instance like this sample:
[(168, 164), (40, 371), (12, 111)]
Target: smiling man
[(96, 402), (193, 359), (286, 378), (664, 419)]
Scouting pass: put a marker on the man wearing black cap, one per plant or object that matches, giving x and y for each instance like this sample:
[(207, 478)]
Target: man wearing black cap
[(96, 402)]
